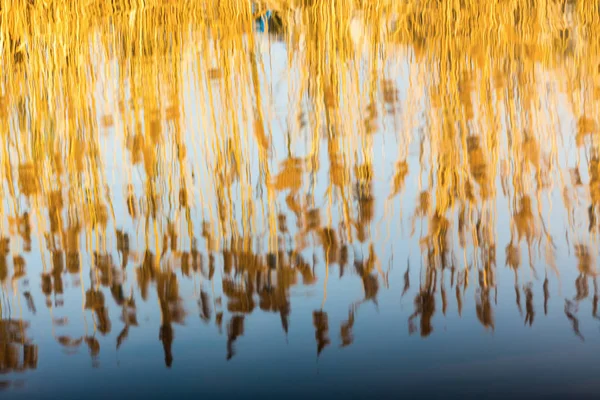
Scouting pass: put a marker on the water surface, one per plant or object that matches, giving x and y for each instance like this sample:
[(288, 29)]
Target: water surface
[(299, 199)]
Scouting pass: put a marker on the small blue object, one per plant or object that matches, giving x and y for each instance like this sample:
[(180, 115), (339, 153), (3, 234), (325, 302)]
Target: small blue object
[(263, 20)]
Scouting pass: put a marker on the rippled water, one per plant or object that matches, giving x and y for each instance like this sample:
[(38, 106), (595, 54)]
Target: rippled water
[(391, 200)]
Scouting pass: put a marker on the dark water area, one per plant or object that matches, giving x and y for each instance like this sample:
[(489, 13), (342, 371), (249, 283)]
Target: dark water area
[(300, 201)]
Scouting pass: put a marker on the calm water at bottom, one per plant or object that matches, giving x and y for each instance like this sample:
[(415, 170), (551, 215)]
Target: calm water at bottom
[(232, 215)]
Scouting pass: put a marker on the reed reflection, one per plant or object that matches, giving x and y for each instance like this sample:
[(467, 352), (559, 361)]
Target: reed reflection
[(159, 151)]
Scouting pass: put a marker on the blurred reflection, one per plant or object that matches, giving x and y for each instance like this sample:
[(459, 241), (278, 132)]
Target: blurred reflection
[(17, 353), (155, 159)]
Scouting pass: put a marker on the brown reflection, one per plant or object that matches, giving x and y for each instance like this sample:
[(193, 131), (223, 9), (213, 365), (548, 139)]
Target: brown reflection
[(571, 313), (484, 309), (171, 311), (346, 329), (530, 312), (321, 324), (235, 329), (424, 310), (17, 353)]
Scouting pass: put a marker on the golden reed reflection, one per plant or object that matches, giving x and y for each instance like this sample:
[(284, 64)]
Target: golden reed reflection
[(148, 142)]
